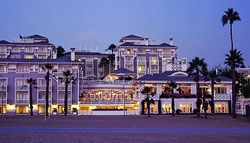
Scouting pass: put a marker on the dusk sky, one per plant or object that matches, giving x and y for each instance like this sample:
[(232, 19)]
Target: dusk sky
[(195, 25)]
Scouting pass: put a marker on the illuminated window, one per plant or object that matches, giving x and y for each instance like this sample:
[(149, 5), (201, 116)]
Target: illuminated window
[(21, 109), (153, 60), (29, 57), (128, 51), (4, 109), (141, 68), (186, 108)]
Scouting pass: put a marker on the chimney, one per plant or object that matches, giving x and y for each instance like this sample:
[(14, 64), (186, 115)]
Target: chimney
[(171, 41), (146, 41), (73, 57)]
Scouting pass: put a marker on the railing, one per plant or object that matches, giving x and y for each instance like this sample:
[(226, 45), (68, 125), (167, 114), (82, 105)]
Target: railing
[(61, 101), (42, 52), (62, 88), (128, 62), (22, 101), (130, 54), (60, 74), (22, 88), (43, 101), (141, 63), (222, 97), (106, 101), (43, 88), (154, 63), (4, 101), (3, 52), (3, 88), (101, 82)]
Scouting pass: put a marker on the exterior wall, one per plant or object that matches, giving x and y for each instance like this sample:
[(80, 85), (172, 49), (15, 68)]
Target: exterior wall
[(12, 76)]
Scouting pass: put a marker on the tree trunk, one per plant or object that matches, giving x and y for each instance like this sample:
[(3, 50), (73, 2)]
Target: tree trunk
[(66, 97), (231, 35), (212, 98), (198, 94), (173, 110), (31, 103), (148, 106), (233, 93), (47, 93)]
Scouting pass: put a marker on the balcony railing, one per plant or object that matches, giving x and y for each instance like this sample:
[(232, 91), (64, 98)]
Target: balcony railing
[(3, 52), (4, 101), (2, 88), (22, 88), (128, 62), (222, 97), (41, 52), (101, 82), (43, 88), (22, 101), (43, 101), (62, 88), (60, 74), (61, 101), (154, 63), (106, 101), (141, 63)]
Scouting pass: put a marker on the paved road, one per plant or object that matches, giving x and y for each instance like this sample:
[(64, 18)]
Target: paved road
[(143, 130)]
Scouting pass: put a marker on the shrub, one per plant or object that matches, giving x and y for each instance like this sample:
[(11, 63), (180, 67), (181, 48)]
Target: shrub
[(178, 111), (74, 109), (195, 111), (54, 110)]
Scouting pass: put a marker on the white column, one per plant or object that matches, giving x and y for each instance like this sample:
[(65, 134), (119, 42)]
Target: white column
[(193, 88)]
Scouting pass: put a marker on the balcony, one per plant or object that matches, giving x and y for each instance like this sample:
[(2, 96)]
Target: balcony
[(141, 63), (22, 88), (43, 88), (3, 52), (154, 63), (41, 52), (61, 101), (60, 74), (222, 96), (129, 63), (106, 101), (22, 101), (4, 101), (43, 101), (3, 88), (62, 88)]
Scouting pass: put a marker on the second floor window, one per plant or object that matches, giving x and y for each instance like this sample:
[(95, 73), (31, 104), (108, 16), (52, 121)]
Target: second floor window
[(23, 68), (2, 68)]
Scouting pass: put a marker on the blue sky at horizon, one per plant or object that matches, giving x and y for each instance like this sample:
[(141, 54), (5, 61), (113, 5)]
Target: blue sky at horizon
[(195, 25)]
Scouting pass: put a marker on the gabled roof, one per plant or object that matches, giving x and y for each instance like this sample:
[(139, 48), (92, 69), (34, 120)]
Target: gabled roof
[(122, 70), (36, 37), (4, 42), (131, 37), (129, 44)]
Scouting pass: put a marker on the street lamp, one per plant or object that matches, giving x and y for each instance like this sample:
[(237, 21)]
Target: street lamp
[(123, 76)]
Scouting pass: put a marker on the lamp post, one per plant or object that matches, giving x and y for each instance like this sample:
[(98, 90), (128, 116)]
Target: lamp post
[(123, 76)]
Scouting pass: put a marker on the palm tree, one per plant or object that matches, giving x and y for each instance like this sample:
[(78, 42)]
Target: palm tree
[(234, 60), (196, 67), (212, 74), (104, 63), (48, 67), (31, 82), (230, 16), (148, 91), (111, 57), (112, 48), (172, 85), (68, 78), (60, 51)]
